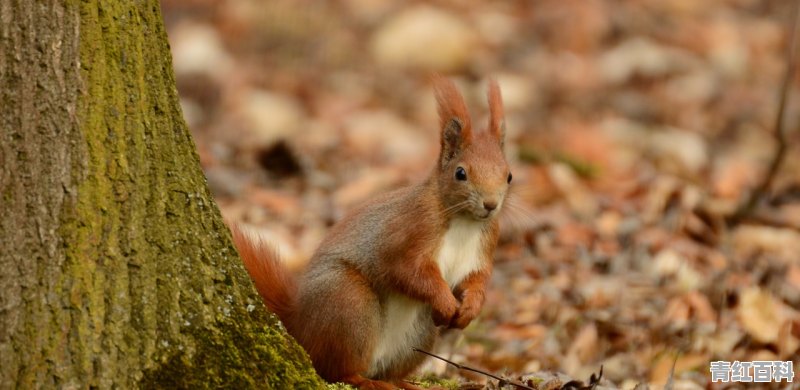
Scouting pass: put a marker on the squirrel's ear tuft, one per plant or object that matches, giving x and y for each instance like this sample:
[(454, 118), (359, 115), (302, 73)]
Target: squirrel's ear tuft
[(497, 121), (454, 120)]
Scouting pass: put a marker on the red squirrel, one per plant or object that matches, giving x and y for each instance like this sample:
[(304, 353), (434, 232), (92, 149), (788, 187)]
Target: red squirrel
[(392, 271)]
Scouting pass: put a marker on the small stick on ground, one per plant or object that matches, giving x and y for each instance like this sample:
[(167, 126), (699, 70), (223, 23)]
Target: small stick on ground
[(746, 208), (463, 367)]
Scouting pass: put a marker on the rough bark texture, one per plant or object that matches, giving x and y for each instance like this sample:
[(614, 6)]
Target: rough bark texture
[(115, 267)]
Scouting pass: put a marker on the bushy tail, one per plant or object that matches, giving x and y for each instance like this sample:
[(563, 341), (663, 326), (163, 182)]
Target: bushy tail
[(273, 281)]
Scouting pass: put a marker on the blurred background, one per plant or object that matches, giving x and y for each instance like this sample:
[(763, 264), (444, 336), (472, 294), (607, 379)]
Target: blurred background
[(635, 129)]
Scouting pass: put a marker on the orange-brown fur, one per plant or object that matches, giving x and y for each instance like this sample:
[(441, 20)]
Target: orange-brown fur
[(263, 264), (376, 277)]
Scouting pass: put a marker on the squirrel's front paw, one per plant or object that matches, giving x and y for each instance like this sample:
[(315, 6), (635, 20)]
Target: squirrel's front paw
[(469, 309), (444, 309)]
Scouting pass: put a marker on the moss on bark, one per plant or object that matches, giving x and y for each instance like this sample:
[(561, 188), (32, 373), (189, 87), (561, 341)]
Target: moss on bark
[(121, 272)]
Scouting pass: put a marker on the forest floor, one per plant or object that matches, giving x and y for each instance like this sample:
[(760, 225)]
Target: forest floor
[(635, 130)]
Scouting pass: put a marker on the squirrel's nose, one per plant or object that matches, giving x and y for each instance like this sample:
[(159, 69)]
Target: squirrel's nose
[(489, 205)]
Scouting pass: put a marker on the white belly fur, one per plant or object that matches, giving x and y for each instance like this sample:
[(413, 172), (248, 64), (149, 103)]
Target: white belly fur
[(398, 333), (460, 254)]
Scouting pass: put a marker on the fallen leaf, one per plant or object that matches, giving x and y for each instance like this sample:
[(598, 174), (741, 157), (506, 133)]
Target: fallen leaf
[(687, 362), (425, 37), (761, 314), (750, 239), (578, 196), (701, 308), (584, 345)]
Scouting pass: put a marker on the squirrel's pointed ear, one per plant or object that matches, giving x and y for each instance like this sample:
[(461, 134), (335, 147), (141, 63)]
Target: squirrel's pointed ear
[(497, 121), (454, 120)]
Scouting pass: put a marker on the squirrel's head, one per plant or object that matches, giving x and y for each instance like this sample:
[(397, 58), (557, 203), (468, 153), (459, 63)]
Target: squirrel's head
[(473, 175)]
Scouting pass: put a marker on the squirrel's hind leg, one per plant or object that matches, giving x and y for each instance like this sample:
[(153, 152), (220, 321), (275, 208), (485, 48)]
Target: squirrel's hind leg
[(406, 386), (339, 321), (368, 384), (425, 339)]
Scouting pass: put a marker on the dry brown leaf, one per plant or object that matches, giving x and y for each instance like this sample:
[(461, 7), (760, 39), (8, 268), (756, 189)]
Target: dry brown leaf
[(701, 308), (750, 239), (425, 37), (722, 342), (676, 313), (663, 365), (793, 276), (587, 142), (761, 314), (585, 344), (580, 200), (731, 176), (789, 343), (607, 223)]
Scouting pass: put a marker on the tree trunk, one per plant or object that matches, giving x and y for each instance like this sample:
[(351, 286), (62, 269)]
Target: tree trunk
[(116, 269)]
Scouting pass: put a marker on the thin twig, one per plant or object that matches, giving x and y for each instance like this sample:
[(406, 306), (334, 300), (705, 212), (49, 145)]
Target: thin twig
[(780, 134), (671, 378), (466, 368)]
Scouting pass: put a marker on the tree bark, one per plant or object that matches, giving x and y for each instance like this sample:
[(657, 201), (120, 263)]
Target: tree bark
[(116, 269)]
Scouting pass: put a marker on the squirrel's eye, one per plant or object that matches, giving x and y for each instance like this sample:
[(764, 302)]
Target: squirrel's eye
[(509, 178), (461, 174)]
